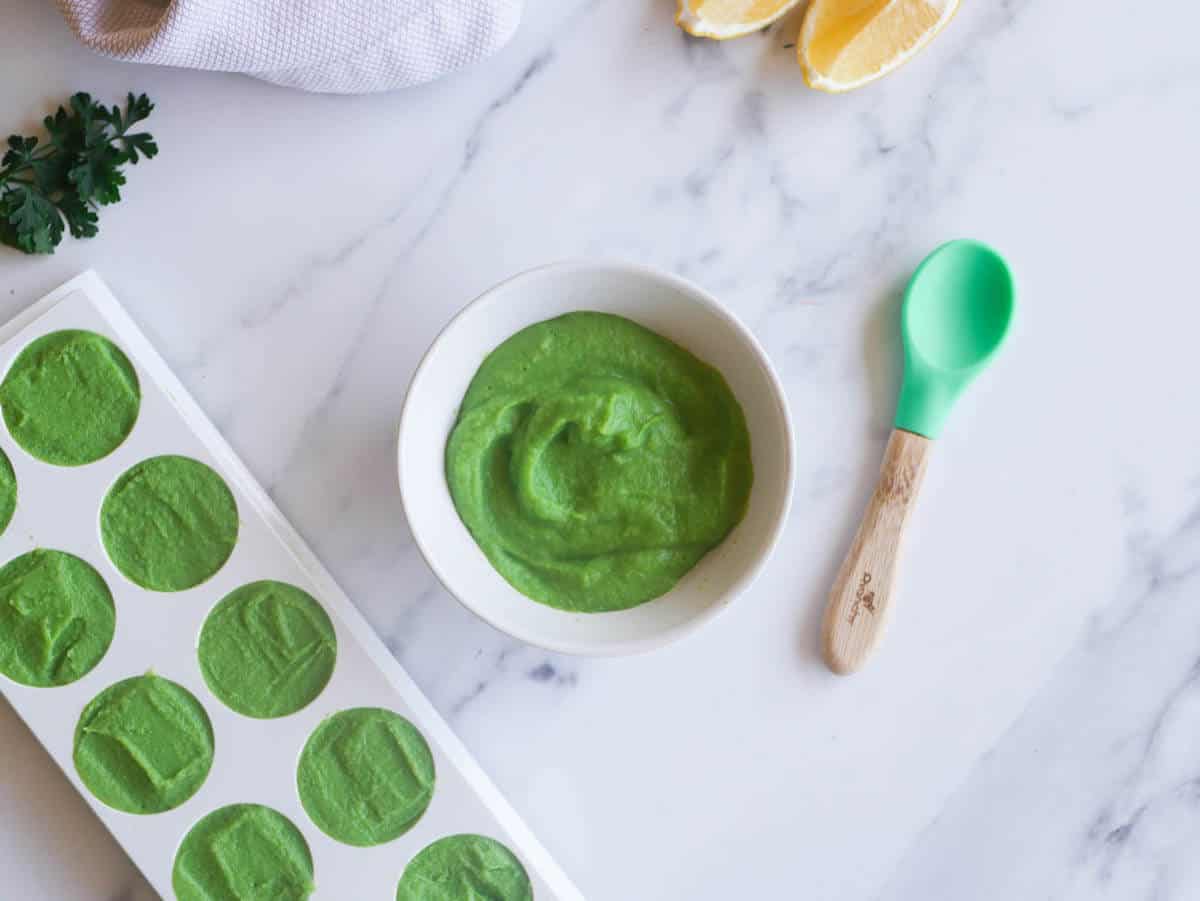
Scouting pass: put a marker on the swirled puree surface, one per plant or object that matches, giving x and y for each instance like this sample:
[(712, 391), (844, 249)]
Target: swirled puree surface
[(595, 462)]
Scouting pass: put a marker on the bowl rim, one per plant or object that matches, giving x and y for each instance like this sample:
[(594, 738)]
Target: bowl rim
[(739, 587)]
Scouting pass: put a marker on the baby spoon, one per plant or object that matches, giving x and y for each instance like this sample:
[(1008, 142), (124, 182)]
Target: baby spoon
[(956, 312)]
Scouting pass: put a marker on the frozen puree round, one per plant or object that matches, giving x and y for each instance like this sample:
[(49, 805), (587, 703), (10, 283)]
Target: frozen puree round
[(169, 523), (70, 398), (8, 491), (595, 462), (366, 776), (243, 852), (144, 745), (267, 649), (465, 868), (56, 618)]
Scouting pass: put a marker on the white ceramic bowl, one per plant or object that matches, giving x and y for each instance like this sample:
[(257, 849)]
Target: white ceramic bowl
[(669, 306)]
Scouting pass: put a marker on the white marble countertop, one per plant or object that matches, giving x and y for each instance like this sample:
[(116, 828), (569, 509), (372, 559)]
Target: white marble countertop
[(1030, 728)]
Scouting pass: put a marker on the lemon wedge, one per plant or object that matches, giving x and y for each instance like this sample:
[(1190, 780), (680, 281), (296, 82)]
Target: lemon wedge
[(723, 19), (846, 43)]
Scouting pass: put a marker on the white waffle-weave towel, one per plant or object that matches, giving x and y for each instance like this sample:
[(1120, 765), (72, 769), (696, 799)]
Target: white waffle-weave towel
[(336, 46)]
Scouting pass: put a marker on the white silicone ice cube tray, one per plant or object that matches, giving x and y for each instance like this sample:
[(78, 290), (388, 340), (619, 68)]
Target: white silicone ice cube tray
[(255, 760)]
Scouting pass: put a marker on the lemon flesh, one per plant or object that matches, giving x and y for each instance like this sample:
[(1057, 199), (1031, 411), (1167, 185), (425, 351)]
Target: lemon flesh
[(721, 19), (847, 43)]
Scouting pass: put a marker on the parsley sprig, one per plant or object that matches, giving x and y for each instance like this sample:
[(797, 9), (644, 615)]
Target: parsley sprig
[(61, 184)]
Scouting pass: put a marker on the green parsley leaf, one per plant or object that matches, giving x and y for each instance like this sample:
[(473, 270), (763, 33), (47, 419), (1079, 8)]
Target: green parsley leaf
[(98, 175), (81, 218), (34, 219), (20, 150), (56, 186)]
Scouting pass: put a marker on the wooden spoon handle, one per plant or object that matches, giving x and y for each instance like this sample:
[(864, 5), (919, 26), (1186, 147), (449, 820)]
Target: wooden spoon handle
[(862, 592)]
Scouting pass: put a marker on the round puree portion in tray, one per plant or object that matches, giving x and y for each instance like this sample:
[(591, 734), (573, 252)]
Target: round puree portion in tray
[(465, 866), (8, 491), (595, 462), (56, 618), (267, 649), (144, 745), (70, 398), (243, 851), (169, 523), (366, 776)]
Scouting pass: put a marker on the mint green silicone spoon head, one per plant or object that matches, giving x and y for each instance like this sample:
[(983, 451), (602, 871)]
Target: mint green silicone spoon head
[(957, 310)]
